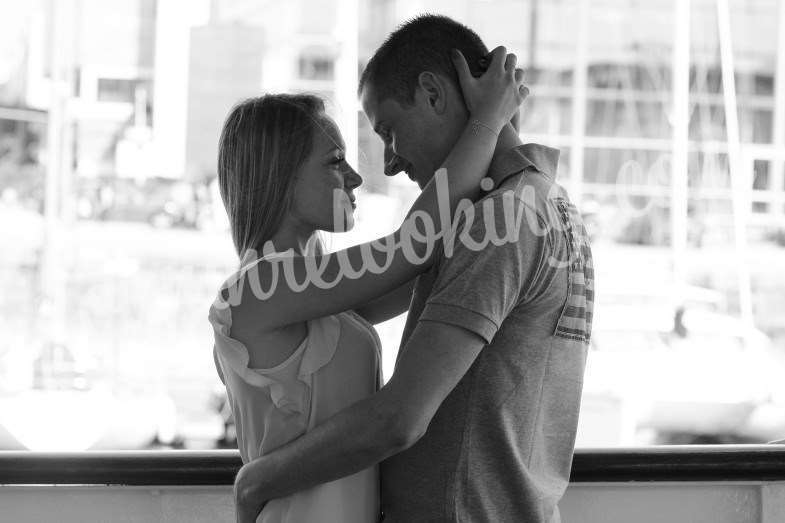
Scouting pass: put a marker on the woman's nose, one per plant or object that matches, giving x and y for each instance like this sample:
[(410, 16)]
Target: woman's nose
[(353, 179)]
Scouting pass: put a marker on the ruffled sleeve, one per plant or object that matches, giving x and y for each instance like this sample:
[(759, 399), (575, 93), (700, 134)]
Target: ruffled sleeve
[(285, 386)]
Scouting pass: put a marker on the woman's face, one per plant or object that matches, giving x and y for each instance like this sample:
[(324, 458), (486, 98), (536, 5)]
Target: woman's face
[(323, 192)]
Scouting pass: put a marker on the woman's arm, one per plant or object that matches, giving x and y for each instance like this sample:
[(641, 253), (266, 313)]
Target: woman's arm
[(388, 306), (297, 288), (397, 301)]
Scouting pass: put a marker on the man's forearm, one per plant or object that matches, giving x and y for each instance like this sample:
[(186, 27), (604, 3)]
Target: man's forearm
[(352, 440)]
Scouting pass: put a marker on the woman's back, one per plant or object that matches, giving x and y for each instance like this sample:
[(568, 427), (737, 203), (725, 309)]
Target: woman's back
[(335, 365)]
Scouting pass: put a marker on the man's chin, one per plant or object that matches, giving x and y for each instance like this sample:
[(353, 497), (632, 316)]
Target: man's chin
[(416, 179)]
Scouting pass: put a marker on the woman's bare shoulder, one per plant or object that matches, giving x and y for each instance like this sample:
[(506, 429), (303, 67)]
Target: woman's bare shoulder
[(267, 348)]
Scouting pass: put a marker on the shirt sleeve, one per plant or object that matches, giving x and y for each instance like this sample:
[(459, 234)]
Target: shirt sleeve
[(496, 253)]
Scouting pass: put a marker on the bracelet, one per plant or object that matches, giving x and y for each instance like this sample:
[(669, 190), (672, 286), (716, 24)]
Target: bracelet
[(476, 124)]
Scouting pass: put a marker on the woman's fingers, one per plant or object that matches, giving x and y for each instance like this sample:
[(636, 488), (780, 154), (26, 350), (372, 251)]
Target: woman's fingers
[(498, 56), (464, 76), (524, 92), (499, 91), (464, 73)]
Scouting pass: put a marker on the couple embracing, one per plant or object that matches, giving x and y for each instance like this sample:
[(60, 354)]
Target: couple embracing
[(478, 420)]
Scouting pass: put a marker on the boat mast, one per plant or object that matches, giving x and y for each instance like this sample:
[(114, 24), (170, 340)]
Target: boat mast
[(679, 143), (740, 183)]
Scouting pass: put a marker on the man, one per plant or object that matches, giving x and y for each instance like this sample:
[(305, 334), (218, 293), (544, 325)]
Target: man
[(478, 421)]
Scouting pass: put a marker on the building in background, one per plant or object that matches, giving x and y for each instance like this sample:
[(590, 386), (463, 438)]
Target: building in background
[(151, 80), (243, 51), (225, 65)]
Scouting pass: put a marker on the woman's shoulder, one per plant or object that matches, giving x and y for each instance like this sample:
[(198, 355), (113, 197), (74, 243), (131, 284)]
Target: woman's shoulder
[(355, 321), (232, 289), (265, 348), (268, 349)]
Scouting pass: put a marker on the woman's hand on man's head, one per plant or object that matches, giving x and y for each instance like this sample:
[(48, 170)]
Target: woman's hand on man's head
[(494, 97)]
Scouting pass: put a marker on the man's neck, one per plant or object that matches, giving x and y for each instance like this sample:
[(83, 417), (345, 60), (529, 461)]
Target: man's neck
[(508, 138)]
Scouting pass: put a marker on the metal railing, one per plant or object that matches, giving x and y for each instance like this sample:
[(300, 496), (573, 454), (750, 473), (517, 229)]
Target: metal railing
[(683, 463)]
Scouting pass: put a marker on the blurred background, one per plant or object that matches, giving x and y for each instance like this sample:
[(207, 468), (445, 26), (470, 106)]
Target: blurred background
[(670, 118)]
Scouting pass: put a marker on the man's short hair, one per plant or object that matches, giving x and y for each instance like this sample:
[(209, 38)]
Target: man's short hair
[(422, 44)]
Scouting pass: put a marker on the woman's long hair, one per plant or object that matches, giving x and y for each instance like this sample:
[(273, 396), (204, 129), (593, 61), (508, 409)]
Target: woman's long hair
[(263, 143)]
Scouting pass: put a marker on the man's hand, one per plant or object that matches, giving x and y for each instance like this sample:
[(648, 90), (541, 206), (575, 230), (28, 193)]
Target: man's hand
[(247, 505)]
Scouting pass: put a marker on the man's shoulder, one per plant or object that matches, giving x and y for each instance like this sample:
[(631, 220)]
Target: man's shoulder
[(530, 185), (512, 216), (528, 195)]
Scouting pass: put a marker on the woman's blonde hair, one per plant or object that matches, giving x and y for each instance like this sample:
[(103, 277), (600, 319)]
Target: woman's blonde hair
[(263, 143)]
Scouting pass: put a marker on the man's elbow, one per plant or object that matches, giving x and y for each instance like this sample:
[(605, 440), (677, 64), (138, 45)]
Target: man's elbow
[(405, 429), (246, 495)]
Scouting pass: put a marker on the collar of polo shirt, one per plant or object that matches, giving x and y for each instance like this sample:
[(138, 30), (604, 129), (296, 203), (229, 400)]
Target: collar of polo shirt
[(512, 161)]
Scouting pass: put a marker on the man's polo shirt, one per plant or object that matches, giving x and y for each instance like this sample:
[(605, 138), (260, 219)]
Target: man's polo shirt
[(500, 446)]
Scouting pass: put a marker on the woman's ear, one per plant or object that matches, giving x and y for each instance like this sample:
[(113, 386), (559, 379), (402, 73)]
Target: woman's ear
[(434, 89)]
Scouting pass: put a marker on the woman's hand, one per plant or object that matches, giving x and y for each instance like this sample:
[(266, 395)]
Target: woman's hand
[(494, 97)]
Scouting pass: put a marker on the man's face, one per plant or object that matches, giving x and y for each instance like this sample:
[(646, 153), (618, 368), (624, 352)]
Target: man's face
[(415, 138)]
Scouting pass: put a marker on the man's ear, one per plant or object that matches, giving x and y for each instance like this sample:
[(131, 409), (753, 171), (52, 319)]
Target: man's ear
[(434, 90)]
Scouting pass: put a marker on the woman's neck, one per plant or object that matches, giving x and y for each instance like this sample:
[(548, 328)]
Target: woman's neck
[(293, 236)]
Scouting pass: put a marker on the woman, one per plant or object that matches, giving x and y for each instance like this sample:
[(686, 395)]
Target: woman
[(293, 353)]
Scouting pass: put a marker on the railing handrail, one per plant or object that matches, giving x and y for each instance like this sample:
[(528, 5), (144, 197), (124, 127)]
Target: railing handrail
[(218, 467)]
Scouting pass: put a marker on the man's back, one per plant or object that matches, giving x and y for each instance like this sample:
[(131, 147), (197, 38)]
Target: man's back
[(500, 446)]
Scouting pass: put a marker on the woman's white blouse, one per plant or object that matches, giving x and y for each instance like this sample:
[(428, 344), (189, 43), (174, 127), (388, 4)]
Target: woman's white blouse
[(336, 365)]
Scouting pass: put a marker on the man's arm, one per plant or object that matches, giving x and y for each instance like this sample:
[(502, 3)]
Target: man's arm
[(435, 358)]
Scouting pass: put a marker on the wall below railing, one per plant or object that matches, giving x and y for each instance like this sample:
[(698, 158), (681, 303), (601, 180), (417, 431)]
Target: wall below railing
[(693, 502), (718, 484)]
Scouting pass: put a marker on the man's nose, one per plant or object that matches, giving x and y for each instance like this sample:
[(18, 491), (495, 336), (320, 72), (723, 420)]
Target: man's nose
[(392, 162)]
